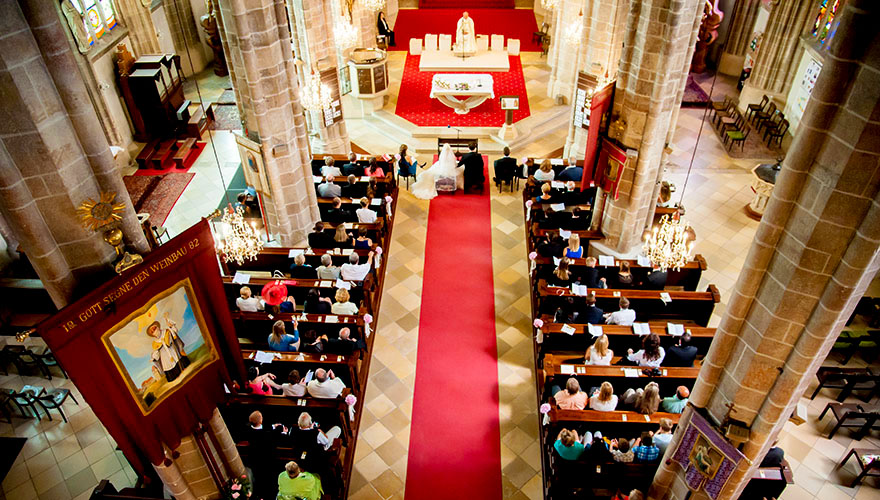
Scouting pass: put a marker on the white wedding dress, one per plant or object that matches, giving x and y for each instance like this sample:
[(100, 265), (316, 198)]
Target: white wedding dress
[(446, 166)]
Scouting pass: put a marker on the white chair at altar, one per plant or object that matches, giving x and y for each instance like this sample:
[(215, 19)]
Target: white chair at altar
[(430, 43), (497, 42), (445, 43), (482, 42), (513, 46), (415, 46)]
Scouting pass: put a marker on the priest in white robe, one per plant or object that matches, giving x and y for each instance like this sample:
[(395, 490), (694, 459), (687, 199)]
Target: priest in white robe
[(465, 38)]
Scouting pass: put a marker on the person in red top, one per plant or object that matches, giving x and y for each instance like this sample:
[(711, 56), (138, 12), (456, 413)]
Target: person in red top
[(572, 398)]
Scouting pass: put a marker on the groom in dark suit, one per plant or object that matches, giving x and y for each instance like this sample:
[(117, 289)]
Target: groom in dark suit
[(473, 168)]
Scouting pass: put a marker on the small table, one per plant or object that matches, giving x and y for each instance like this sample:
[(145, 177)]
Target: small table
[(473, 88), (863, 417), (869, 460)]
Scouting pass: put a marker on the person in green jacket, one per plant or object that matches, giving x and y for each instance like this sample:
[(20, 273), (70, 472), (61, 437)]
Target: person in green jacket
[(295, 483)]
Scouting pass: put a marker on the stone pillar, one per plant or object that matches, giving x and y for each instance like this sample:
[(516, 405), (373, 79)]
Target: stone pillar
[(262, 61), (173, 479), (815, 252), (139, 22), (742, 22), (227, 446), (563, 58), (364, 21), (234, 62), (194, 469), (185, 35), (777, 58), (49, 163), (658, 46)]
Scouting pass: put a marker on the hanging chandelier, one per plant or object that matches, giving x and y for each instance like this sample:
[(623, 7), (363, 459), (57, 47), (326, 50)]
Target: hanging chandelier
[(345, 34), (667, 245), (315, 95), (241, 241), (574, 33), (549, 4), (374, 5)]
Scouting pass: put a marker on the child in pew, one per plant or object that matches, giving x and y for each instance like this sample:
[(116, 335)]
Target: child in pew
[(280, 340), (621, 451), (644, 449), (248, 303), (663, 436)]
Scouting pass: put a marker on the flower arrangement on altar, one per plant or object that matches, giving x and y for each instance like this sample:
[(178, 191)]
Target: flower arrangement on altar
[(238, 488)]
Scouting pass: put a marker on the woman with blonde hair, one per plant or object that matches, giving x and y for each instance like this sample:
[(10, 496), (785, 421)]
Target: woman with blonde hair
[(342, 305), (599, 354), (624, 276), (342, 238), (546, 196), (574, 249), (280, 340), (644, 401), (295, 483), (604, 399), (568, 445), (545, 172)]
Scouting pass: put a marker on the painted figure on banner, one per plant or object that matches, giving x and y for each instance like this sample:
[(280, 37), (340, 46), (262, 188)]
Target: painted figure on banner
[(465, 37), (160, 346)]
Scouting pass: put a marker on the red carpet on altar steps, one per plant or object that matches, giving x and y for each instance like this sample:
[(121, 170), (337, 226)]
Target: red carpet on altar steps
[(455, 443), (512, 23), (415, 104)]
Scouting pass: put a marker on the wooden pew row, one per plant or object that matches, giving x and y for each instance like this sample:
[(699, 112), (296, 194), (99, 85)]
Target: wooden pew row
[(620, 338), (687, 276), (344, 366), (329, 412), (593, 376), (340, 160), (695, 306), (278, 258), (360, 291), (584, 234)]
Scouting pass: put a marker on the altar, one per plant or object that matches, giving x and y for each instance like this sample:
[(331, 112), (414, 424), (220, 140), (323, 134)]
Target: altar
[(474, 89)]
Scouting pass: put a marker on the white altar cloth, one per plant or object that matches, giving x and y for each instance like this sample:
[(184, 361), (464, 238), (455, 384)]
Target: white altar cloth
[(449, 60), (473, 88)]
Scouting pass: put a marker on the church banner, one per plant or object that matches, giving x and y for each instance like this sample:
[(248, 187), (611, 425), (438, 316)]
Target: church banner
[(151, 349), (706, 456)]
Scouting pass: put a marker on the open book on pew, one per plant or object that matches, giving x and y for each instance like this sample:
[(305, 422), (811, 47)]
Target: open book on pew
[(643, 261), (568, 329), (564, 234), (296, 251), (675, 329), (606, 260), (594, 330), (264, 357), (241, 278), (641, 328), (579, 289)]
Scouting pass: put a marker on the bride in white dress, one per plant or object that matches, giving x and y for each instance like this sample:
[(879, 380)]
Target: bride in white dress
[(446, 166)]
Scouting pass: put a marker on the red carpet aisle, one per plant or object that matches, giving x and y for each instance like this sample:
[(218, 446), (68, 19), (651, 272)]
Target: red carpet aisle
[(415, 105), (454, 444), (512, 23)]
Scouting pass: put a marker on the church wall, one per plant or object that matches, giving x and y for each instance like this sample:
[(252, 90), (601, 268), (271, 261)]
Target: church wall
[(199, 9), (104, 69), (163, 30)]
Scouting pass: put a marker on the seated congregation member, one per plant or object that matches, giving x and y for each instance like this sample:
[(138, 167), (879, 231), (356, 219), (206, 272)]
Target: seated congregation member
[(341, 239), (651, 354), (505, 168), (527, 168), (329, 189), (364, 214), (374, 170), (599, 354), (625, 316), (295, 387), (319, 238), (545, 172), (352, 167), (624, 277), (677, 403), (385, 30), (561, 275), (574, 249), (261, 384), (572, 398), (300, 270), (656, 279), (327, 271), (644, 401), (566, 312), (589, 313), (329, 169), (309, 432), (546, 195), (604, 399), (550, 246), (353, 271), (261, 450), (548, 218), (288, 305), (580, 220), (351, 189), (325, 385), (247, 303), (473, 167), (597, 452), (342, 304), (621, 452), (315, 304), (644, 449), (572, 172), (682, 353), (337, 214), (280, 340), (295, 483), (406, 165), (311, 343), (362, 242), (663, 436), (343, 344), (568, 445), (590, 277), (774, 456)]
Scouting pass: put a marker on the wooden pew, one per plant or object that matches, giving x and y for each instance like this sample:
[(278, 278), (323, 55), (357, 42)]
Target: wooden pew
[(687, 276), (360, 291), (340, 160), (344, 367), (620, 337), (278, 258), (328, 412), (586, 234), (593, 376), (694, 306)]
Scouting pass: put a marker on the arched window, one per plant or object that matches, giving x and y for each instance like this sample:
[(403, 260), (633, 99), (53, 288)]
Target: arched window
[(97, 18)]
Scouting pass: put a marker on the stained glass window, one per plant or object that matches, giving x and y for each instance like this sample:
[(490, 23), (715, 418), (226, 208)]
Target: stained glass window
[(823, 7), (824, 18), (98, 18)]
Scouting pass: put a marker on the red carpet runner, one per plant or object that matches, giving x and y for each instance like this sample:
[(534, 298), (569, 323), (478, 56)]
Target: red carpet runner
[(454, 444), (415, 105), (512, 23)]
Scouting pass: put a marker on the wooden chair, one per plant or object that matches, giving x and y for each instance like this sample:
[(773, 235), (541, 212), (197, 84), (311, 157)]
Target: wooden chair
[(848, 380), (754, 108), (53, 399), (737, 136), (776, 135), (760, 115), (733, 122), (866, 461), (538, 36), (721, 105), (772, 122), (720, 114), (545, 45)]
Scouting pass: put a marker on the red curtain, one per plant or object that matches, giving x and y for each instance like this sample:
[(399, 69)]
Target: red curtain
[(75, 336)]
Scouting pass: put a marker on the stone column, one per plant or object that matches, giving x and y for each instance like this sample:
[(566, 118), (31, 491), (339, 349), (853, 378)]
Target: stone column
[(227, 445), (172, 478), (815, 252), (185, 34), (777, 58), (48, 163), (364, 21), (658, 46), (194, 469), (264, 64), (139, 22), (742, 21), (563, 58), (234, 62)]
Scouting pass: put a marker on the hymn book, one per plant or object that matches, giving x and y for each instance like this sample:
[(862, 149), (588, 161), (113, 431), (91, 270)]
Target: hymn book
[(566, 369), (568, 329), (641, 328), (606, 260), (594, 330), (675, 329)]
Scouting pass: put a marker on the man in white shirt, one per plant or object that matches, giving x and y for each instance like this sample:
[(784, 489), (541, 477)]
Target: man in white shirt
[(625, 316), (329, 168), (352, 271), (325, 385), (246, 303), (329, 189), (365, 215)]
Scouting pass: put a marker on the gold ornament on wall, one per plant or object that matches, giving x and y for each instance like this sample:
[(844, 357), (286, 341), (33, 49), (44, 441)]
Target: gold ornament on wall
[(105, 215)]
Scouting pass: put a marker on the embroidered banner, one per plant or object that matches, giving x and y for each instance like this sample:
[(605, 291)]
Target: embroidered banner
[(708, 459)]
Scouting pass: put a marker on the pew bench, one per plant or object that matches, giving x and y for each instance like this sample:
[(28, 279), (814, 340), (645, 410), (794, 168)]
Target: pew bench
[(278, 258), (298, 289), (848, 380), (620, 338), (687, 277), (343, 366), (328, 412)]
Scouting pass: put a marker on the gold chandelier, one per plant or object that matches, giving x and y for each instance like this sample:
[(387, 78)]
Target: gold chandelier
[(667, 245), (315, 95), (241, 241)]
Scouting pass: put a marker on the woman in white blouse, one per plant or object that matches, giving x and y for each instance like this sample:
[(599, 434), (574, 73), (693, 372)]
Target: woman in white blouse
[(604, 399), (545, 172), (599, 353), (342, 305), (651, 354)]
